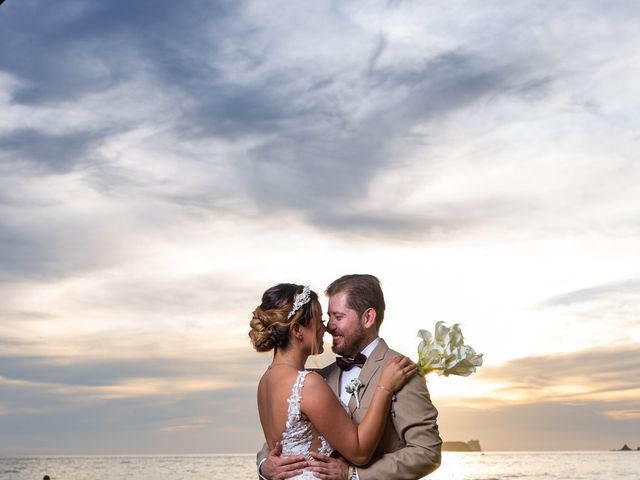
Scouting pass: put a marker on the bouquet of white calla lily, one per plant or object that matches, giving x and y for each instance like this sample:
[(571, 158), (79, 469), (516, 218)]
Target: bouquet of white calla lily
[(445, 352)]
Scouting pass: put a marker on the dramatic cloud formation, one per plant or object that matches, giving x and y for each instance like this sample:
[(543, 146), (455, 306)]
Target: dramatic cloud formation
[(566, 401), (162, 163)]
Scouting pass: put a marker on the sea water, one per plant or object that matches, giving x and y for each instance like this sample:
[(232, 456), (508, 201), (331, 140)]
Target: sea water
[(455, 466)]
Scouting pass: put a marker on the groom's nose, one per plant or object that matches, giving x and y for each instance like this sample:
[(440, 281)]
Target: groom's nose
[(330, 326)]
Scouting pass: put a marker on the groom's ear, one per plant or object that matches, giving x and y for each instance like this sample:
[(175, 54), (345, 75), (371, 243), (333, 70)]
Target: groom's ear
[(369, 318)]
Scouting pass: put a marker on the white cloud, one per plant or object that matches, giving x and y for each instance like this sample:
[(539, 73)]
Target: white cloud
[(160, 169)]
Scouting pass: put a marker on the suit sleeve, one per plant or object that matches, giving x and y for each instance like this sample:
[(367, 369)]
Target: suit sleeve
[(261, 455), (415, 421)]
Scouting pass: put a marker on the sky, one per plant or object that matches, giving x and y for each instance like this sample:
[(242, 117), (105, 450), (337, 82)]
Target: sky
[(163, 163)]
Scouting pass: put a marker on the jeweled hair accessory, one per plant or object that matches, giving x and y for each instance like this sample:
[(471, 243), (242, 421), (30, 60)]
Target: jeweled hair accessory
[(300, 300)]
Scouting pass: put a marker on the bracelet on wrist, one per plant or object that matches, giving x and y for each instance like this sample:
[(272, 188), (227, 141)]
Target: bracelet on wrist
[(385, 389)]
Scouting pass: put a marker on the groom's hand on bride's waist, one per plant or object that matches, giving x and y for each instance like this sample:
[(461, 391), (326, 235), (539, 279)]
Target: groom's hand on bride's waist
[(328, 468), (276, 467)]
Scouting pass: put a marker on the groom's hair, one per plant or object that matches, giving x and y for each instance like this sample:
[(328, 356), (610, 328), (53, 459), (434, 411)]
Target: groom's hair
[(363, 292)]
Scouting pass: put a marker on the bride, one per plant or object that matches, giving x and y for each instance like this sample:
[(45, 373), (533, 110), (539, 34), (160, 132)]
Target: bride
[(296, 406)]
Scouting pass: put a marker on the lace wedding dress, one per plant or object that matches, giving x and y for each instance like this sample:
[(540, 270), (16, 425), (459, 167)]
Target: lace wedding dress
[(298, 434)]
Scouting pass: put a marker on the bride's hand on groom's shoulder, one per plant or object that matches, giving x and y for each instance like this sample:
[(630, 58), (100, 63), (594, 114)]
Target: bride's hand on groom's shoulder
[(276, 467), (396, 372), (328, 468)]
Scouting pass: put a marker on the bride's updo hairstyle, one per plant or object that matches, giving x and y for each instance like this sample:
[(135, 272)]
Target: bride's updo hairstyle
[(270, 323)]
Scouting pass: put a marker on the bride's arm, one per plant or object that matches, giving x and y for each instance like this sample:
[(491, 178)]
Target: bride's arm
[(356, 443)]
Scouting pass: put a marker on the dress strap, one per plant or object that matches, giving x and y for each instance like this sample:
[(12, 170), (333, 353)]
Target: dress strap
[(295, 398)]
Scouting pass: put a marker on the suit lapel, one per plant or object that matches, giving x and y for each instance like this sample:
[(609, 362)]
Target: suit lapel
[(333, 379), (374, 362)]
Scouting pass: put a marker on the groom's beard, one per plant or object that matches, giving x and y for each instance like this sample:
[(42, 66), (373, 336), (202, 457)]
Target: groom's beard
[(352, 343)]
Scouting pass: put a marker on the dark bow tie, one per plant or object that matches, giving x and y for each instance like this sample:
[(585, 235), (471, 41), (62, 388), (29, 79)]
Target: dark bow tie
[(346, 363)]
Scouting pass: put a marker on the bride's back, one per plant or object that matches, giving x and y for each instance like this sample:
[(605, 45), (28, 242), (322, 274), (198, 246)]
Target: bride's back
[(275, 390)]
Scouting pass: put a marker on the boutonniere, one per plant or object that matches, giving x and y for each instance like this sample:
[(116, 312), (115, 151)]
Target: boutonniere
[(352, 387)]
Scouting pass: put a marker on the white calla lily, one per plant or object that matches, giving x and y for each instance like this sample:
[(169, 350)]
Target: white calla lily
[(444, 352)]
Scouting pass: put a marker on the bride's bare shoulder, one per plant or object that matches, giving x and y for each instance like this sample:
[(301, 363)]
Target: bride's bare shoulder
[(317, 397), (283, 378), (315, 381)]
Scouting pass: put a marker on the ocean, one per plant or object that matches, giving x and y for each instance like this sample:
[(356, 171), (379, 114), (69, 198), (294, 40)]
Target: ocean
[(455, 466)]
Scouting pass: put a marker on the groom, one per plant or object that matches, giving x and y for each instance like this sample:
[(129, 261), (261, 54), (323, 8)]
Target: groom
[(410, 444)]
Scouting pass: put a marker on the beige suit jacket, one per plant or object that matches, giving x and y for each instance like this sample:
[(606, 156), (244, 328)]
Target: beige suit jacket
[(410, 445)]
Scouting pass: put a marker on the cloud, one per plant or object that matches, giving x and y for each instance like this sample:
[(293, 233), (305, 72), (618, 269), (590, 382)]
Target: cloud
[(582, 400), (57, 153), (120, 404), (608, 310), (190, 417), (625, 288), (538, 426), (161, 163), (45, 241), (98, 45), (605, 373), (328, 178), (240, 120), (318, 133), (219, 366), (136, 425), (623, 415)]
